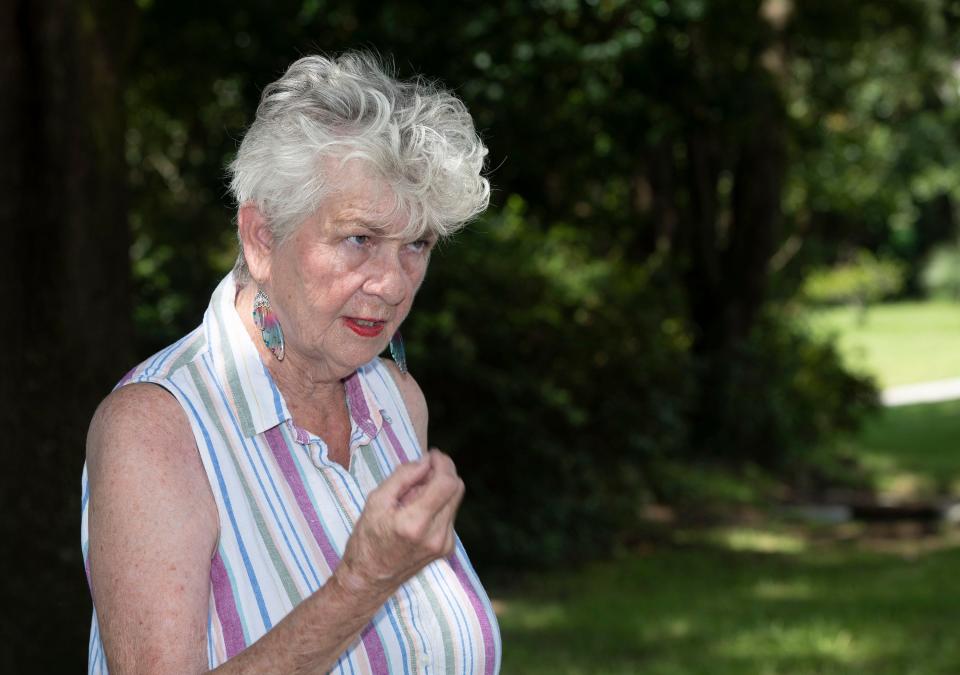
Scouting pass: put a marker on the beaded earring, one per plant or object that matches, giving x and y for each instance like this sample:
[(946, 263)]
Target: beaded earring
[(269, 325), (398, 353)]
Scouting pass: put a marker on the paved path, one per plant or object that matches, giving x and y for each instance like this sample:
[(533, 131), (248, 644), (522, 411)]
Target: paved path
[(925, 392)]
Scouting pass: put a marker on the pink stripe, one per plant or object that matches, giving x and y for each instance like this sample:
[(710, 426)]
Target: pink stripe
[(358, 405), (395, 442), (489, 649), (126, 378), (226, 607), (281, 452)]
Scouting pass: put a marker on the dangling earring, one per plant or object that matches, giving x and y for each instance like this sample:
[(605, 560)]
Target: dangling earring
[(268, 324), (398, 353)]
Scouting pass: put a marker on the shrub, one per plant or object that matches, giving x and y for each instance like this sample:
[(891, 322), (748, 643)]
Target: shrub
[(941, 274), (554, 378), (784, 393), (864, 280)]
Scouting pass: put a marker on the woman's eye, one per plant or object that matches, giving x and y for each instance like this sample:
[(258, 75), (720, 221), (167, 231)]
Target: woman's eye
[(359, 239), (421, 245)]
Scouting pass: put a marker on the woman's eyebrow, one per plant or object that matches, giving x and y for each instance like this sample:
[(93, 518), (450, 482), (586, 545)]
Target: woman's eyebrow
[(357, 221)]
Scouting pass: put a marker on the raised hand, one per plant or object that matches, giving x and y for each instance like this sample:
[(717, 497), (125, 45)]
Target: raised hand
[(406, 524)]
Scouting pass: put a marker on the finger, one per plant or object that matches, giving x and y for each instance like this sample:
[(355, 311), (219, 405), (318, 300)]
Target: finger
[(436, 494), (444, 522), (442, 462), (405, 477)]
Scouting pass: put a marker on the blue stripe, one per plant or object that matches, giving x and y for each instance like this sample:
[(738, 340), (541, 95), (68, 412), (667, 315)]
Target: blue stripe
[(263, 490), (210, 650), (161, 357), (459, 615), (94, 642), (255, 585), (461, 554), (277, 399)]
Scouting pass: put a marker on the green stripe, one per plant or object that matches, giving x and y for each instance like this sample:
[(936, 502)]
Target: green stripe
[(188, 354), (233, 380), (448, 647), (370, 457), (265, 533)]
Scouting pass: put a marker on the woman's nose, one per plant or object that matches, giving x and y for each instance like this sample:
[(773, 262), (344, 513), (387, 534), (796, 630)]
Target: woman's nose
[(387, 278)]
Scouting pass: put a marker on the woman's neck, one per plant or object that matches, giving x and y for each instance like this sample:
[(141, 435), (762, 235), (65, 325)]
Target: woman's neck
[(315, 397)]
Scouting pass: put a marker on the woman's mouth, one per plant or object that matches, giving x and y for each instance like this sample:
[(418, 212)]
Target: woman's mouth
[(365, 327)]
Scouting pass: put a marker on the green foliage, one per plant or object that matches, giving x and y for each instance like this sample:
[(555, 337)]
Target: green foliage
[(872, 98), (612, 313), (864, 280), (554, 379), (941, 274), (782, 392)]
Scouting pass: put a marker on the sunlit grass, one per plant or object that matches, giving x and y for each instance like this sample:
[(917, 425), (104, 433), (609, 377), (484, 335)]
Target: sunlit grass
[(913, 450), (898, 343), (717, 610)]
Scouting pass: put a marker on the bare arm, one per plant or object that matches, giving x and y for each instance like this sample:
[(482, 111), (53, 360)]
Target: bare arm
[(153, 528)]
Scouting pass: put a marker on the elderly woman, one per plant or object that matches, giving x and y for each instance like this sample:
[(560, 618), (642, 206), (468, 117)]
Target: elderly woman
[(256, 496)]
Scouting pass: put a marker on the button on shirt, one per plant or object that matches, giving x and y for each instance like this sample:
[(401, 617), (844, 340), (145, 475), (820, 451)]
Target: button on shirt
[(286, 510)]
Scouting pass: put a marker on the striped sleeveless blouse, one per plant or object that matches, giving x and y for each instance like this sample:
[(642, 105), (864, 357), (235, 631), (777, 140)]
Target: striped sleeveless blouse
[(286, 510)]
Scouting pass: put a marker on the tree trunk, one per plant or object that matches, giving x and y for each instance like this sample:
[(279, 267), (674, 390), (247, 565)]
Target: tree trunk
[(65, 275), (727, 249)]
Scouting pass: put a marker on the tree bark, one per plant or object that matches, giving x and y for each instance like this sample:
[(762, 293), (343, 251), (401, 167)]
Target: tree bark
[(65, 277)]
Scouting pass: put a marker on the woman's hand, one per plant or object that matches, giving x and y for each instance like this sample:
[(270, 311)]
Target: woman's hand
[(406, 524)]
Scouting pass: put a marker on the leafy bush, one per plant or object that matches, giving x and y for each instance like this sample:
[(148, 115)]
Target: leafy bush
[(564, 385), (554, 378), (941, 274), (864, 280), (783, 394)]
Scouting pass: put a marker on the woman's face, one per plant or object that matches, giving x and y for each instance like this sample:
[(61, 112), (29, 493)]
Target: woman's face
[(344, 282)]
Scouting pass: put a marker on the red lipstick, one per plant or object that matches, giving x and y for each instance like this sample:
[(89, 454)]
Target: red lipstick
[(365, 327)]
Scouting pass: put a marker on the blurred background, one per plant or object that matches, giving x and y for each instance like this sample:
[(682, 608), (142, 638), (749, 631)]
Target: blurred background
[(673, 362)]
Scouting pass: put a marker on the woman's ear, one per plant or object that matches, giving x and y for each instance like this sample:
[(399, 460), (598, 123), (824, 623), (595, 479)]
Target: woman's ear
[(257, 240)]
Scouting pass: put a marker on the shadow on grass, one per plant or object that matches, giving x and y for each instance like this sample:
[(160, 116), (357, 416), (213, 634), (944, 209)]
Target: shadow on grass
[(709, 609)]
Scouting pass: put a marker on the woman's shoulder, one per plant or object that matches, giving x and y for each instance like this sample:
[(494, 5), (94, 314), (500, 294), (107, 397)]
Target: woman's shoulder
[(139, 417), (141, 442), (142, 408), (169, 361)]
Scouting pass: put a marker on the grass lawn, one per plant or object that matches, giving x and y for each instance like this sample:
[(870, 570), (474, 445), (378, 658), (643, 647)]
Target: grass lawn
[(751, 603), (898, 343), (913, 450)]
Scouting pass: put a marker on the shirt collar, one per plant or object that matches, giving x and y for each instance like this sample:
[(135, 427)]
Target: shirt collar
[(249, 386), (244, 377)]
